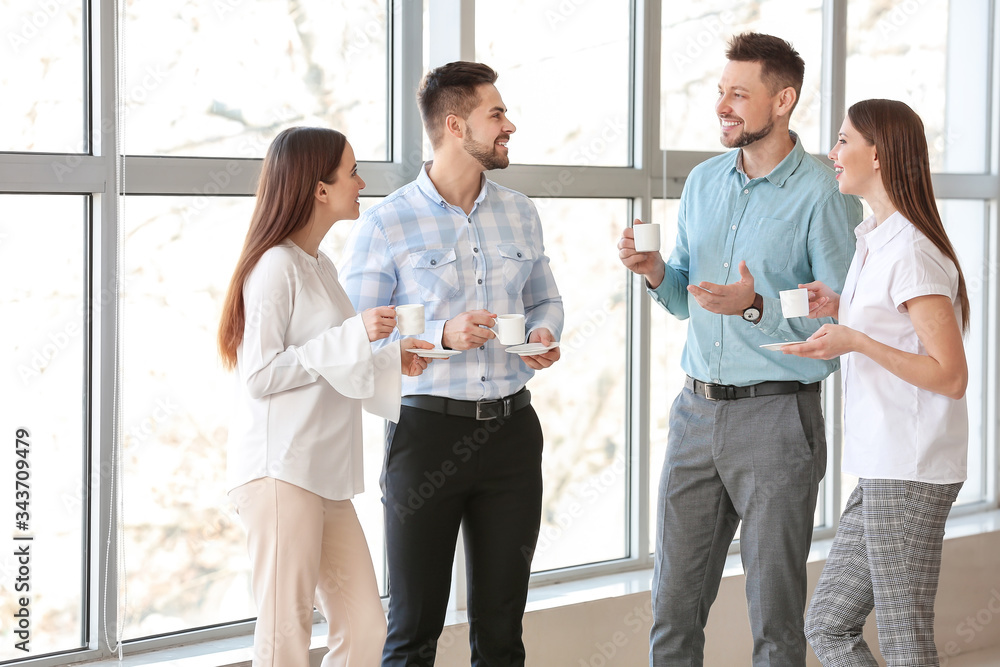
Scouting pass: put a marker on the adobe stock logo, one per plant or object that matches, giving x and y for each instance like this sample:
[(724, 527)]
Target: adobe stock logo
[(562, 12), (973, 625), (34, 22), (714, 30), (900, 14)]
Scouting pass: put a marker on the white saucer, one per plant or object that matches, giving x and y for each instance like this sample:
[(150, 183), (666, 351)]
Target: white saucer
[(528, 349), (436, 353), (778, 346)]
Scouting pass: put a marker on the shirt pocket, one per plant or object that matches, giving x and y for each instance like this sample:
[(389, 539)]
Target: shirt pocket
[(772, 245), (436, 272), (518, 261)]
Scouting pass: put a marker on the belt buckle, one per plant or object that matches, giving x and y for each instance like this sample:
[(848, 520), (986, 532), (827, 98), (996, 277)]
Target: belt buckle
[(719, 392), (501, 407)]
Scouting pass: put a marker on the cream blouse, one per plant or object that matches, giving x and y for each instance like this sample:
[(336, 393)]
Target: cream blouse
[(306, 368)]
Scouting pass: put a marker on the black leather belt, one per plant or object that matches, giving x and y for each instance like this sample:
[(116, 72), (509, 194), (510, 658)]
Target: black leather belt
[(728, 392), (481, 410)]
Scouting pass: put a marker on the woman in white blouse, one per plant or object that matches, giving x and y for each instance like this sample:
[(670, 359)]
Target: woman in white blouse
[(306, 367), (901, 317)]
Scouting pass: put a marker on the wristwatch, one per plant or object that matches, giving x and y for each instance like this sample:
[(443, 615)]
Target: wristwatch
[(753, 311)]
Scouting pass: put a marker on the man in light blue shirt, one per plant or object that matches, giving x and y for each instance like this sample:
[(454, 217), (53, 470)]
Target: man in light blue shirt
[(468, 446), (747, 437)]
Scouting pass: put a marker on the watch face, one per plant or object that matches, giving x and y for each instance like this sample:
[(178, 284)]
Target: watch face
[(751, 314)]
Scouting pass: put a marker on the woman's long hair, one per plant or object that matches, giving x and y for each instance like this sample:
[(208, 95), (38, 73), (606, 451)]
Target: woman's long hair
[(897, 133), (298, 159)]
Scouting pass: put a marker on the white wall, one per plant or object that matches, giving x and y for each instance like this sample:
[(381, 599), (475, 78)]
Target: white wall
[(614, 632)]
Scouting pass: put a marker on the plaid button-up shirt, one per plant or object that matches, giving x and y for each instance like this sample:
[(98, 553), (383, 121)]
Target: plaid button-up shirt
[(414, 247)]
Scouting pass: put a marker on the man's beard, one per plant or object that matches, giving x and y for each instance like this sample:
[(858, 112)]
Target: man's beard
[(746, 138), (490, 158)]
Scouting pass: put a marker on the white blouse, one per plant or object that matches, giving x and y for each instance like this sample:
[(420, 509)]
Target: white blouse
[(306, 368), (892, 429)]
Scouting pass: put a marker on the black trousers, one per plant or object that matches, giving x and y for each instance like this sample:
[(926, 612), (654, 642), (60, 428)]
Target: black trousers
[(441, 472)]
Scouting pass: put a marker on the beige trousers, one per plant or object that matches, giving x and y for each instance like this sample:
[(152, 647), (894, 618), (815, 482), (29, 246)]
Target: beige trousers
[(306, 549)]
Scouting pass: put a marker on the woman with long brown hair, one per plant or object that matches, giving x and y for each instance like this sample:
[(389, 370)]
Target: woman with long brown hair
[(901, 318), (306, 366)]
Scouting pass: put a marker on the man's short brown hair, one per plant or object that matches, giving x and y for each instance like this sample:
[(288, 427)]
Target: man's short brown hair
[(781, 65), (450, 89)]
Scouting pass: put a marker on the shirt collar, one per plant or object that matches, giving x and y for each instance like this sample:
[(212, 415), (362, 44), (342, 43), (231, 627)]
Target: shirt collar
[(877, 235), (785, 168), (426, 186)]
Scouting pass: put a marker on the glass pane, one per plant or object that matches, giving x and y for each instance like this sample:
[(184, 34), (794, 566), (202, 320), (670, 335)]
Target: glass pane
[(581, 399), (902, 51), (966, 223), (425, 149), (177, 407), (185, 547), (223, 78), (666, 377), (693, 55), (546, 59), (44, 422), (42, 77)]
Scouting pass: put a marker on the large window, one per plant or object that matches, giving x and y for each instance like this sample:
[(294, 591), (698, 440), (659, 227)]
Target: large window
[(41, 75), (581, 399), (46, 303), (564, 75), (110, 304), (967, 223), (223, 78), (935, 51), (177, 413), (185, 554), (667, 335), (693, 51)]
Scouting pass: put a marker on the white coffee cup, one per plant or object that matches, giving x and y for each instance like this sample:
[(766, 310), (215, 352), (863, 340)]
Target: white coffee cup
[(794, 302), (509, 329), (647, 237), (410, 319)]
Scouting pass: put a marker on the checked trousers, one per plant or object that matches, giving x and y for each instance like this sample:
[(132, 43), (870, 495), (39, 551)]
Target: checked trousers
[(886, 556)]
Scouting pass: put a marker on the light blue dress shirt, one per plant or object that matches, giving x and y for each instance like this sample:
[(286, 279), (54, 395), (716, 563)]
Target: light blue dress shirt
[(792, 226), (414, 247)]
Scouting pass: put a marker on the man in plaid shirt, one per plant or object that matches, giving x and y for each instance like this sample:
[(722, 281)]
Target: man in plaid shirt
[(468, 446)]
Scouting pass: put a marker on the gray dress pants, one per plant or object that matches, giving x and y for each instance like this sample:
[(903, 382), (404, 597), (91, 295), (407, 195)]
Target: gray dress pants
[(757, 460)]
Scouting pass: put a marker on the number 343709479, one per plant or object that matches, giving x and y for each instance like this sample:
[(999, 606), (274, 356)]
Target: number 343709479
[(22, 480)]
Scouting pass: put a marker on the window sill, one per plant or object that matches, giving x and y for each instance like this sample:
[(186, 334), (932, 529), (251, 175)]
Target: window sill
[(236, 651)]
